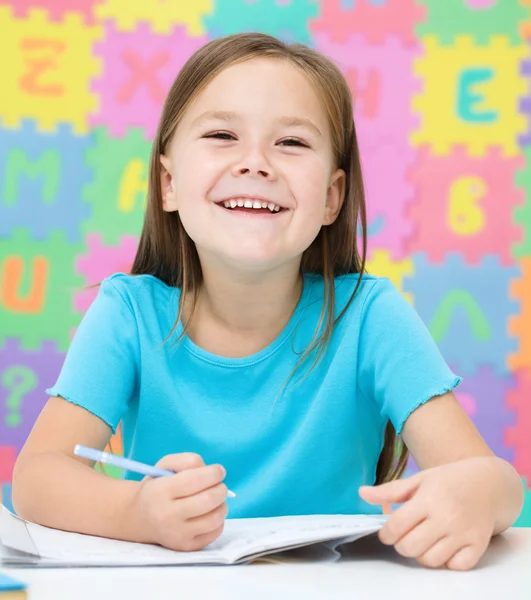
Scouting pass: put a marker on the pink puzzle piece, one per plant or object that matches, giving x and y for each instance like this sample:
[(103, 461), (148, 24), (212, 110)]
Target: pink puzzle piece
[(464, 204), (7, 462), (382, 83), (517, 436), (101, 262), (57, 8), (388, 190), (374, 21), (139, 70)]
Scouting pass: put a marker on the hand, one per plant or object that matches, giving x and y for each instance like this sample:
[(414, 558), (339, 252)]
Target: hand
[(185, 511), (446, 519)]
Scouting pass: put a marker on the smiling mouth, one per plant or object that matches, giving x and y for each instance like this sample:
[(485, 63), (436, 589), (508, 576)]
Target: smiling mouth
[(256, 207)]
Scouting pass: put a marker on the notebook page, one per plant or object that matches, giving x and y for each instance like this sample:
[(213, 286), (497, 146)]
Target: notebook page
[(248, 538), (241, 538)]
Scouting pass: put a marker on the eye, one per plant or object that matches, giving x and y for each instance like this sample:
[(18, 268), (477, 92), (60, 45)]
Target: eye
[(220, 135), (293, 142)]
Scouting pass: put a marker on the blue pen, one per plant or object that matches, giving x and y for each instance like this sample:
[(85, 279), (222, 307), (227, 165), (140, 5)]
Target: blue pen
[(125, 463)]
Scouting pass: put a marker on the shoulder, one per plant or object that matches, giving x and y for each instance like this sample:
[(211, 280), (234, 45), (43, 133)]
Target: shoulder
[(372, 293), (136, 289)]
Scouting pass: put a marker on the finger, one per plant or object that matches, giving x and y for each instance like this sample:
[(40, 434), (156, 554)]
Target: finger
[(208, 522), (204, 502), (402, 521), (394, 492), (201, 541), (466, 558), (419, 540), (180, 462), (193, 481), (440, 553)]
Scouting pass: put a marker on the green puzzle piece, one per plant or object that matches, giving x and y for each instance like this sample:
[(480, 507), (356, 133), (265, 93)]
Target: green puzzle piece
[(29, 311), (287, 21), (524, 520), (522, 214), (117, 194), (447, 19)]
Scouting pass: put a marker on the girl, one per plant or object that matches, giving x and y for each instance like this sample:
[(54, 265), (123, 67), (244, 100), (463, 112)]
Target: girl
[(248, 343)]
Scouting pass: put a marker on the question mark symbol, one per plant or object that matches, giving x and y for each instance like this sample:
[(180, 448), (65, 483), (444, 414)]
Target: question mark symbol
[(18, 380)]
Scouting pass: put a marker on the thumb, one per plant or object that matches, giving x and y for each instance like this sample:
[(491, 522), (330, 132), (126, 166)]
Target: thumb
[(393, 492)]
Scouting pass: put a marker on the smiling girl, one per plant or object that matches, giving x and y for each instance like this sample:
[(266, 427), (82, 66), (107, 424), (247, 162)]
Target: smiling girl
[(249, 344)]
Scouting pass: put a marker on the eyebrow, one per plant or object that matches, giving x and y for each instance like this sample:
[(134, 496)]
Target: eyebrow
[(225, 115)]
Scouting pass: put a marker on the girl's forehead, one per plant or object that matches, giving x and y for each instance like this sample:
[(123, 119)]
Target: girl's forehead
[(259, 86)]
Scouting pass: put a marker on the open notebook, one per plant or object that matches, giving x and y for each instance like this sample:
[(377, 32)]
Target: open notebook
[(243, 540)]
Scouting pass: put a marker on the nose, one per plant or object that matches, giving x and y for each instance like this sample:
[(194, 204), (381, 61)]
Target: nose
[(254, 164)]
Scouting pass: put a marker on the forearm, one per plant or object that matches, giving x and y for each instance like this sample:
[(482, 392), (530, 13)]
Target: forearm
[(506, 492), (60, 492)]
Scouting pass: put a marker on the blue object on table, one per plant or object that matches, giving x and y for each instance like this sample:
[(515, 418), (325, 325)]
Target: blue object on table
[(8, 584)]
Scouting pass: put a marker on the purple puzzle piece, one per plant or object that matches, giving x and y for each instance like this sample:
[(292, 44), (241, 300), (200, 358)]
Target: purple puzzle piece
[(24, 376), (525, 104)]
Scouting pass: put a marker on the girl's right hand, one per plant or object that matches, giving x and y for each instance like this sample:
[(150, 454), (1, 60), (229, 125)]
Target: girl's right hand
[(185, 511)]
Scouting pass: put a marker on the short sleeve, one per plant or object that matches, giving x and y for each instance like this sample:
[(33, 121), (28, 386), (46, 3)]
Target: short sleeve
[(399, 365), (100, 371)]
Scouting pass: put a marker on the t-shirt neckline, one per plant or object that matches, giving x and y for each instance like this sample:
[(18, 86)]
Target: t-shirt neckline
[(251, 359)]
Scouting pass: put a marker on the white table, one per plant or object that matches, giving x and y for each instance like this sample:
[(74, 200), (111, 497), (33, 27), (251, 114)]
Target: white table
[(369, 570)]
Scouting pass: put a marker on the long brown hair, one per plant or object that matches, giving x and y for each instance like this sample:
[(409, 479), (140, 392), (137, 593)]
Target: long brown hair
[(167, 252)]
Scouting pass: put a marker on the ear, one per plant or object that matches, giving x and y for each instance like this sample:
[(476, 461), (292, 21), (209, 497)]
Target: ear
[(335, 196), (169, 200)]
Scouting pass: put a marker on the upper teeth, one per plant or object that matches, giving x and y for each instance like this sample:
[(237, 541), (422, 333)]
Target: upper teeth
[(246, 203)]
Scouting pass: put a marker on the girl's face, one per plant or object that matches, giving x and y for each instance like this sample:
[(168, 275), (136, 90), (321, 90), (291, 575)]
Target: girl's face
[(256, 134)]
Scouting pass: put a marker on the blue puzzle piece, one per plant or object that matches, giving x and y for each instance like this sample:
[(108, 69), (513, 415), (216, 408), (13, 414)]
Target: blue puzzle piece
[(287, 21), (42, 177), (466, 308)]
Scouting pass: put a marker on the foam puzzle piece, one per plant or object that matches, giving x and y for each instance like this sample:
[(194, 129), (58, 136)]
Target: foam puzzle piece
[(464, 204), (42, 175), (524, 520), (374, 20), (520, 324), (470, 95), (160, 15), (381, 264), (287, 21), (139, 70), (381, 80), (525, 102), (24, 377), (37, 280), (5, 496), (522, 214), (100, 262), (8, 457), (387, 197), (57, 9), (49, 69), (518, 435), (483, 396), (525, 25), (452, 18), (466, 309), (117, 194)]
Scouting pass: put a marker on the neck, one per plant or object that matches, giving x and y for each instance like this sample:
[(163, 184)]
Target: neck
[(247, 306)]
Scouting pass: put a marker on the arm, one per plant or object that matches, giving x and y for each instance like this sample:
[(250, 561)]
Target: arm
[(462, 497), (440, 432), (53, 487)]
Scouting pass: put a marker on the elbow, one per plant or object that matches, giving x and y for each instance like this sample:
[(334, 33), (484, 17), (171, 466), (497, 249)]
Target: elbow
[(21, 487)]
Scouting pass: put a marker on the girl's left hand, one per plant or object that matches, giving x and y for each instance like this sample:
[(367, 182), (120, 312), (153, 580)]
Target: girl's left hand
[(447, 517)]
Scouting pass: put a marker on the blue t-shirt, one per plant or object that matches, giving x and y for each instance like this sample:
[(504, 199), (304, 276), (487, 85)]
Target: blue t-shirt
[(305, 449)]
